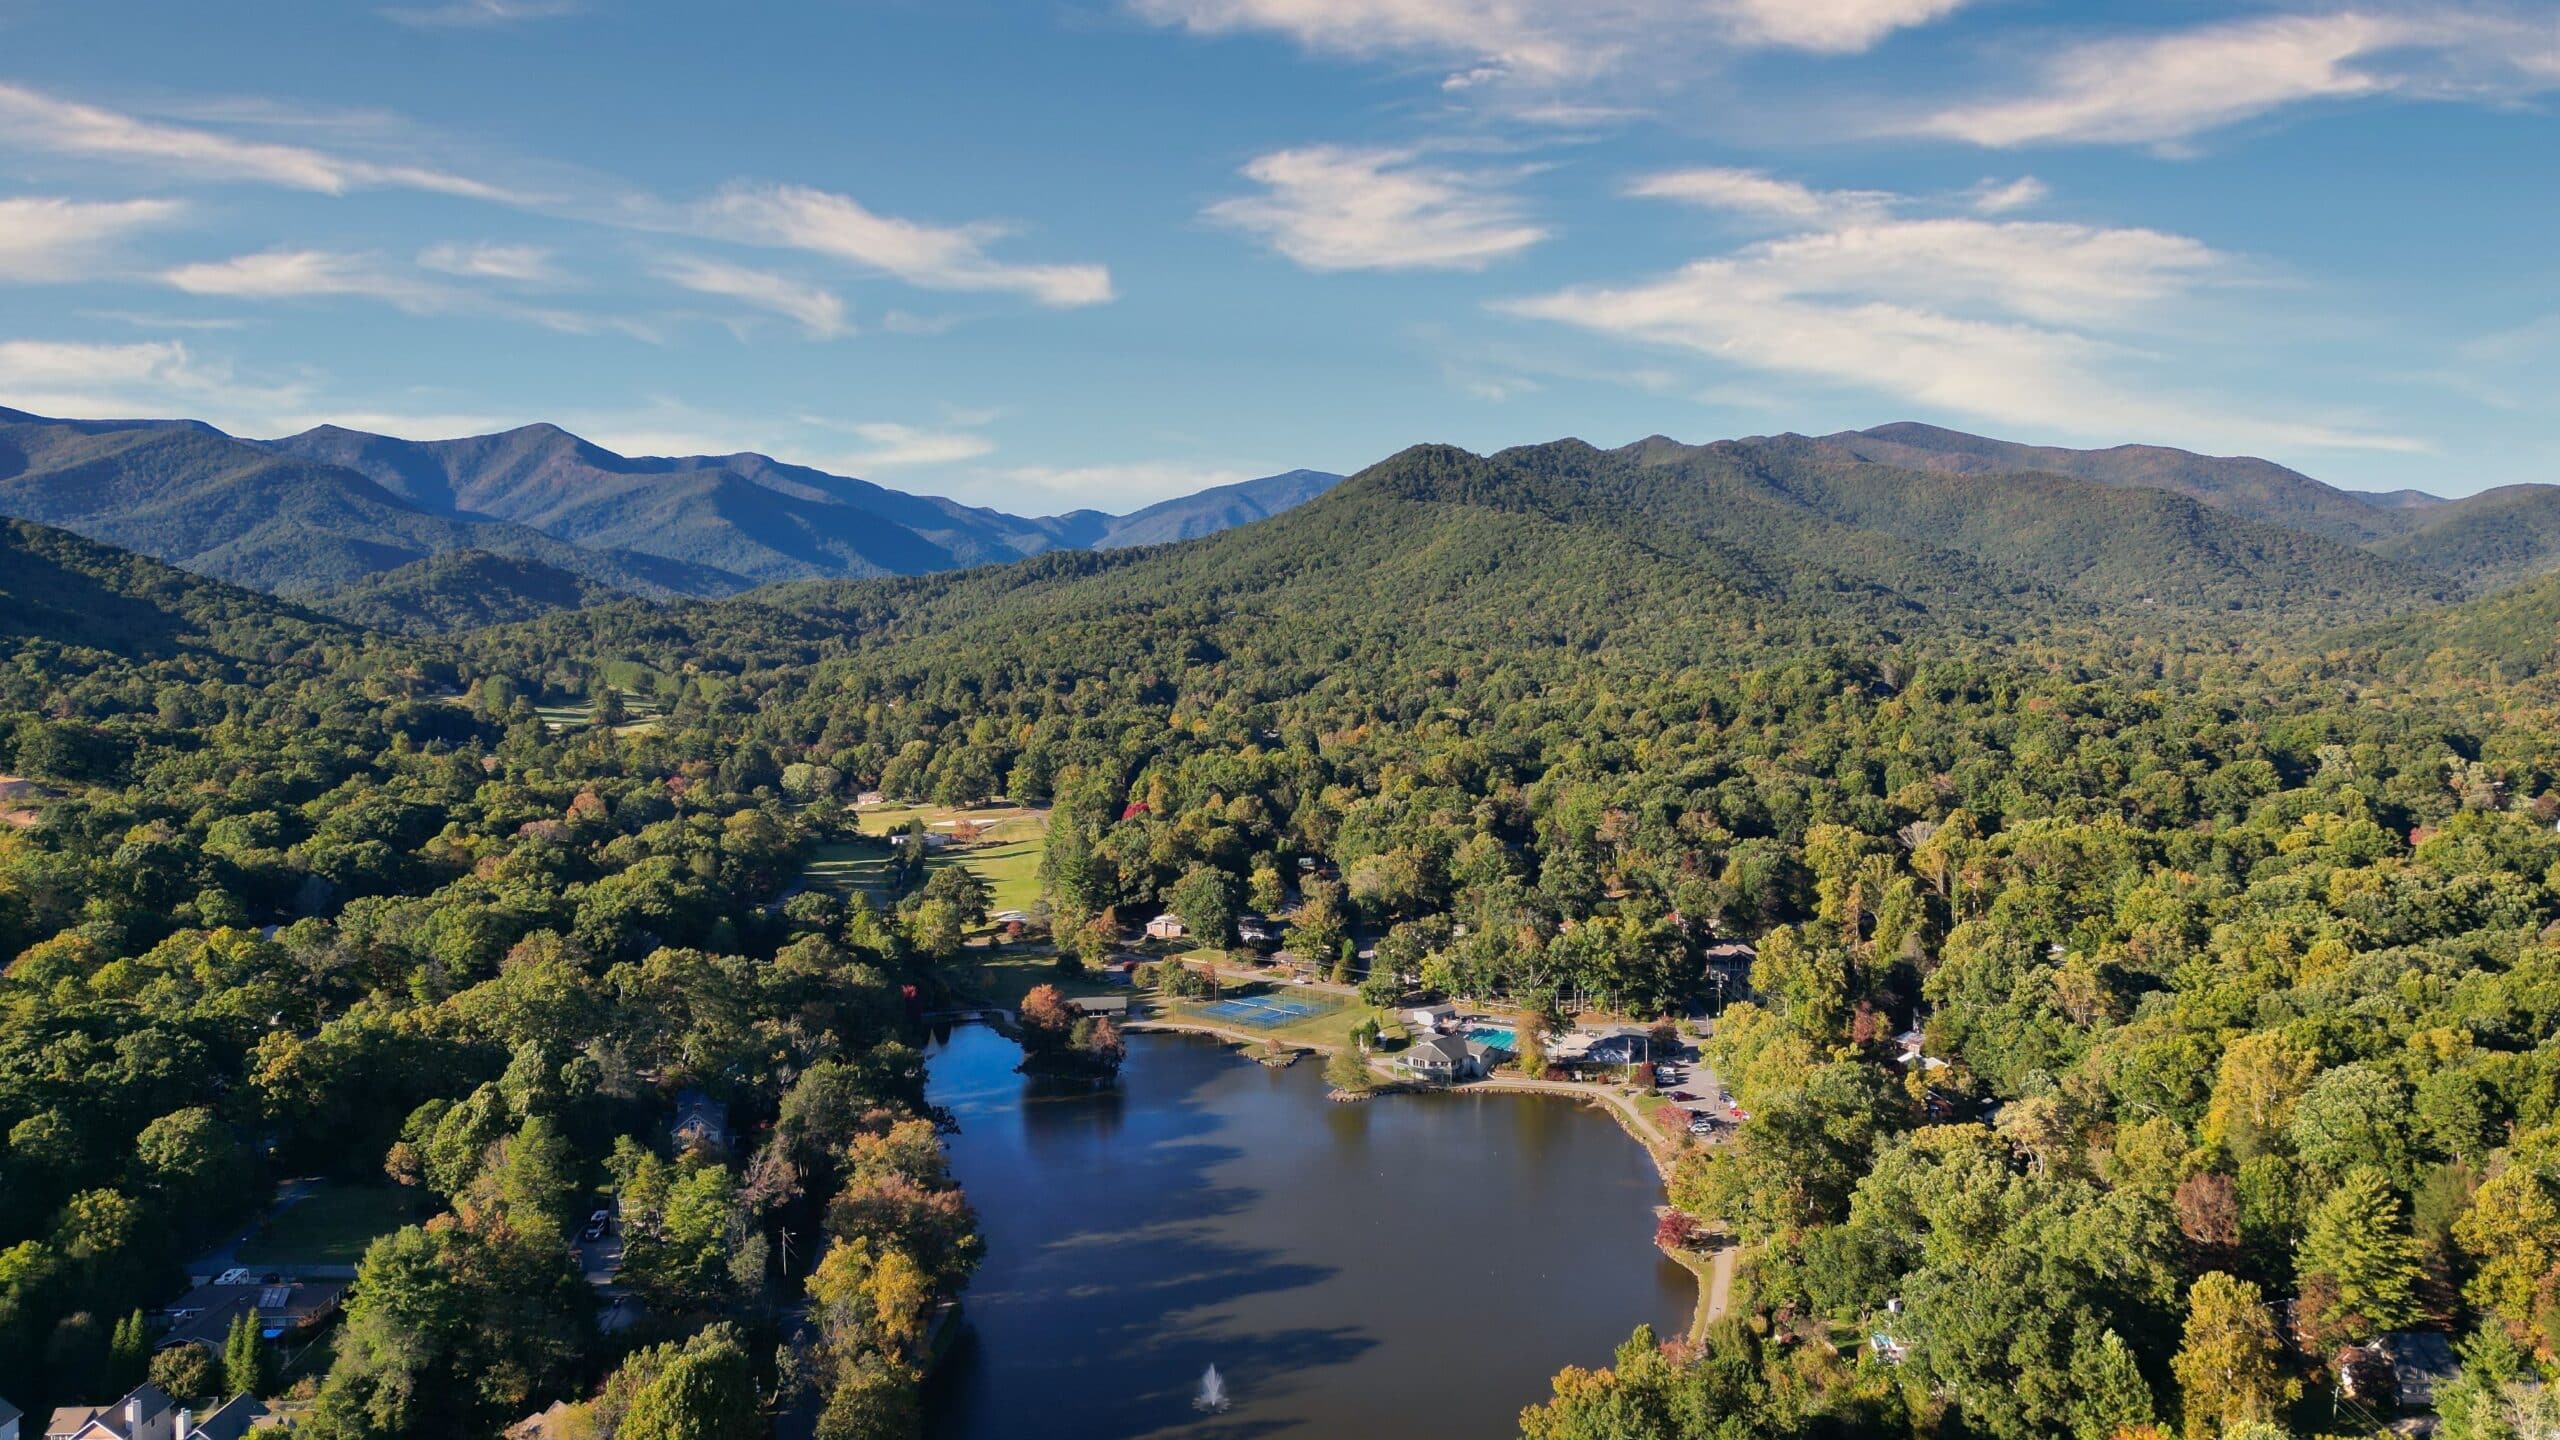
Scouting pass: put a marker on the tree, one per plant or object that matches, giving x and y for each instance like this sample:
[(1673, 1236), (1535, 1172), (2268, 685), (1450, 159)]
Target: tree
[(129, 1352), (703, 1390), (187, 1372), (871, 1399), (1205, 901), (2359, 1239), (1318, 926), (2262, 1079), (2112, 1395), (1346, 1072), (244, 1359), (2226, 1360)]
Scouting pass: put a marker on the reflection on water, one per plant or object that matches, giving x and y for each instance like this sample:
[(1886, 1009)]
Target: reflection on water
[(1416, 1265)]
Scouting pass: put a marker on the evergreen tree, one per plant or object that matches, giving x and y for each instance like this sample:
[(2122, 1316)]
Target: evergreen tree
[(2112, 1395), (129, 1352), (2226, 1365), (244, 1359), (2359, 1237)]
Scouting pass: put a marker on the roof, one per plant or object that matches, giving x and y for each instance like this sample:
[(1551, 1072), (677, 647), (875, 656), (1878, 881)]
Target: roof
[(1099, 1004), (9, 1412), (1447, 1047), (231, 1420), (104, 1420), (2421, 1360), (205, 1313)]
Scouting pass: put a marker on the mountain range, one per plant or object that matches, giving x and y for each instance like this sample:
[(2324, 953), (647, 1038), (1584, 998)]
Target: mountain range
[(332, 509), (1890, 524)]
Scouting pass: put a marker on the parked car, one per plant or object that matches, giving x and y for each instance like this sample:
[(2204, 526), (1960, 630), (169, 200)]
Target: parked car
[(1666, 1075), (1682, 1095), (1703, 1125), (597, 1224)]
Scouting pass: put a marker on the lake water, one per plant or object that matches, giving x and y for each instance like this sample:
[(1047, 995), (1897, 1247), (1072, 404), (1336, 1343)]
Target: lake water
[(1418, 1265)]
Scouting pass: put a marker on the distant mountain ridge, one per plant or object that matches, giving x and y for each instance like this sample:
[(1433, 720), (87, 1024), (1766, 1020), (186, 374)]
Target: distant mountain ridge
[(333, 508)]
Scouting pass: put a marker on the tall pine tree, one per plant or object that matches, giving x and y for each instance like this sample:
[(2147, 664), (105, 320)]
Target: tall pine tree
[(2359, 1237)]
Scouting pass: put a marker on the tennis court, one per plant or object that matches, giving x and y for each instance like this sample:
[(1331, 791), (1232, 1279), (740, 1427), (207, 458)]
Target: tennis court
[(1267, 1012)]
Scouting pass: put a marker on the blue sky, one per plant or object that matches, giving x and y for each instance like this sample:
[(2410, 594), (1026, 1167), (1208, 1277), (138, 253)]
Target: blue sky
[(1055, 253)]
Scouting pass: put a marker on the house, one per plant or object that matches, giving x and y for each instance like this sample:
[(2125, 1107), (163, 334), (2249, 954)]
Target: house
[(231, 1420), (1111, 1007), (146, 1414), (1910, 1050), (1444, 1058), (701, 1123), (1166, 927), (1601, 1050), (869, 798), (282, 1311), (9, 1417), (2422, 1362), (1426, 1018)]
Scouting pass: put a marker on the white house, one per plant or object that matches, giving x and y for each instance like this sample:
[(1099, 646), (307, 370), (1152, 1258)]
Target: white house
[(1445, 1058), (1166, 927), (1426, 1018)]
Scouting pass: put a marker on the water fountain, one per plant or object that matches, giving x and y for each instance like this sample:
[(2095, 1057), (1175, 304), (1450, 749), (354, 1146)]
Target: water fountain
[(1212, 1399)]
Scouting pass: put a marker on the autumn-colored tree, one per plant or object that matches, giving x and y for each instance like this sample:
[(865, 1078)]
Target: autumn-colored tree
[(2226, 1361)]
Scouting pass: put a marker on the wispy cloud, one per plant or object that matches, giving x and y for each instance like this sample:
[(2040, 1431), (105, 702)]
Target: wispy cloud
[(2002, 197), (31, 120), (2020, 322), (45, 239), (1117, 486), (2163, 89), (468, 13), (1548, 42), (287, 275), (1754, 192), (1331, 208), (521, 264), (894, 446), (158, 377), (819, 312), (301, 274), (932, 257)]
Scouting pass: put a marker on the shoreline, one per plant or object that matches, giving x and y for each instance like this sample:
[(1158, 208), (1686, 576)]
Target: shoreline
[(1712, 1270)]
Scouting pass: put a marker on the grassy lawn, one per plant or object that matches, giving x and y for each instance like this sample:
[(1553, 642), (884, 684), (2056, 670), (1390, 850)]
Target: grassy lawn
[(1004, 976), (332, 1225), (642, 714), (1006, 855), (845, 866)]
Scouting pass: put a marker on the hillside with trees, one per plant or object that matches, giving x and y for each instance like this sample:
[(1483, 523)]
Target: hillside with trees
[(2232, 934)]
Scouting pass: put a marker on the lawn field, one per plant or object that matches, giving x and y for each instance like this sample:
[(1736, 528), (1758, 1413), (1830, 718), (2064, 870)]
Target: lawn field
[(1006, 855), (642, 711), (845, 866), (332, 1225), (1004, 976)]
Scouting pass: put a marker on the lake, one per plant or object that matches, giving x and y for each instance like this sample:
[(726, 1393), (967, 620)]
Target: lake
[(1414, 1265)]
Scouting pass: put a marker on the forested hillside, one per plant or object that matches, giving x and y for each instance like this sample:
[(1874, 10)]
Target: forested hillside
[(2231, 932)]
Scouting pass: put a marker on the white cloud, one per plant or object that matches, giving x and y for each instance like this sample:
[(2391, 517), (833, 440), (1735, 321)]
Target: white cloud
[(928, 256), (2018, 322), (1993, 197), (818, 311), (30, 120), (894, 446), (464, 13), (1549, 41), (2164, 88), (45, 238), (521, 264), (1331, 208), (157, 377), (1752, 192), (1114, 487), (300, 274), (321, 274)]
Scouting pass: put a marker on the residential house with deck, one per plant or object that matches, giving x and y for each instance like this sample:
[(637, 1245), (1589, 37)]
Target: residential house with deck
[(1445, 1059), (148, 1414)]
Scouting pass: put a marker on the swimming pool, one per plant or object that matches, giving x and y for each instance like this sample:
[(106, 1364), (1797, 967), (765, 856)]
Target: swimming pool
[(1498, 1039)]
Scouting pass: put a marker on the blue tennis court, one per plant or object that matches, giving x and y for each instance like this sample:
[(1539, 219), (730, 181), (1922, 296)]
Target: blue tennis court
[(1265, 1012)]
